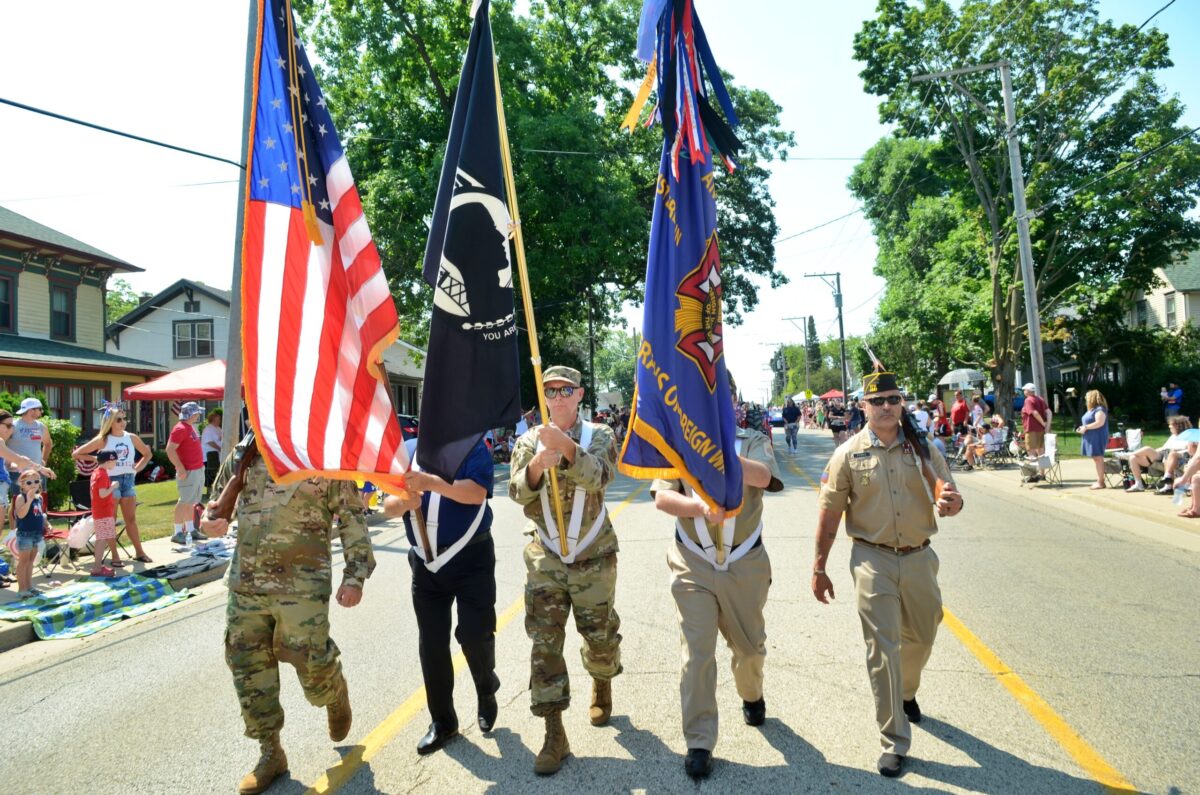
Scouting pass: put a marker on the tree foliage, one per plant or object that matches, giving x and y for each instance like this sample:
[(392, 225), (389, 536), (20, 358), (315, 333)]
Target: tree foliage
[(119, 299), (939, 195), (585, 189)]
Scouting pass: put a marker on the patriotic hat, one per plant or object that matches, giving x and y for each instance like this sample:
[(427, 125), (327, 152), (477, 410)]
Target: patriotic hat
[(880, 381), (189, 410)]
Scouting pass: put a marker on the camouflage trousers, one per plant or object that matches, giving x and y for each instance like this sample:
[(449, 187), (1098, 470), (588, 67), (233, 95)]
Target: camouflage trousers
[(262, 630), (552, 590)]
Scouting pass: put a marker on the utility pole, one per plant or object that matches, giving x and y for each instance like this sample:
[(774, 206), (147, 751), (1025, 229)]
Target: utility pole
[(1033, 318), (591, 357), (836, 285), (804, 328)]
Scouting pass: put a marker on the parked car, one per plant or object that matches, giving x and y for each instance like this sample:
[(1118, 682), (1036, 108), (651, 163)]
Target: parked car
[(776, 416), (408, 426)]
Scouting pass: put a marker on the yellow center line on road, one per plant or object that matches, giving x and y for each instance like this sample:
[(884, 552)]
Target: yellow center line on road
[(1083, 754), (795, 468), (337, 776)]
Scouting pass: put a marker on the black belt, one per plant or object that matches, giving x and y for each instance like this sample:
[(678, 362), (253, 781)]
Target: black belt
[(901, 551), (757, 542), (477, 539)]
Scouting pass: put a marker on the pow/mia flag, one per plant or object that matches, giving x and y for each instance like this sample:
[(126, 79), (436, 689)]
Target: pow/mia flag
[(472, 376)]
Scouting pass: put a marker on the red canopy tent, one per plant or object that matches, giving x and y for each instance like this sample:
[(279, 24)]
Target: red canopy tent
[(833, 393), (202, 382)]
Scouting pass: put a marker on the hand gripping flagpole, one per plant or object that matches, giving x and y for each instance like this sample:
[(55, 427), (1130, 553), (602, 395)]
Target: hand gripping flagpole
[(535, 355)]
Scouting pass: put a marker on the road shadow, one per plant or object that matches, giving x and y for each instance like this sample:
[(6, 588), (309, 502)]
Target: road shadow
[(995, 769), (363, 777)]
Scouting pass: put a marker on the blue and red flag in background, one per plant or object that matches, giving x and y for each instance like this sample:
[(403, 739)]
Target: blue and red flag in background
[(682, 423)]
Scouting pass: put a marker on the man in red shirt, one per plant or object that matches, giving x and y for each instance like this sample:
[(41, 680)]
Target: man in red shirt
[(183, 448), (1035, 419), (959, 412)]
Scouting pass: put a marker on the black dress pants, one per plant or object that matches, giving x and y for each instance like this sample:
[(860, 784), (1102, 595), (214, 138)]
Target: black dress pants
[(470, 579)]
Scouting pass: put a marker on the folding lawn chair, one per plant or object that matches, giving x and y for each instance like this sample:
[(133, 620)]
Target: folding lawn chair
[(1048, 464), (81, 500), (56, 552)]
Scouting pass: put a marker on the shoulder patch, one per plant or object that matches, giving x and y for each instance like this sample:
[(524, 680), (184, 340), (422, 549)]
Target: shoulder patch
[(825, 476)]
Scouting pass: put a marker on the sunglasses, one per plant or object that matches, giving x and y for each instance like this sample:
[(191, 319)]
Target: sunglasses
[(565, 391), (118, 419), (891, 400), (31, 482)]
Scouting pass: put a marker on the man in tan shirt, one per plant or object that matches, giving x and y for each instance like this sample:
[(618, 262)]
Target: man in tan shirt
[(723, 591), (889, 485)]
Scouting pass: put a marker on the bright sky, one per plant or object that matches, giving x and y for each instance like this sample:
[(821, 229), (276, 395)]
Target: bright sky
[(168, 72)]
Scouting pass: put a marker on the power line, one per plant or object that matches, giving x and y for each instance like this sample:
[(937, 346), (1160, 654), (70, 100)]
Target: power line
[(1114, 171), (858, 209), (120, 133)]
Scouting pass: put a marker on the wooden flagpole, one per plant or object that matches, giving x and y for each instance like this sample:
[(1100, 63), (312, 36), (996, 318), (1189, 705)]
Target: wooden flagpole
[(526, 296)]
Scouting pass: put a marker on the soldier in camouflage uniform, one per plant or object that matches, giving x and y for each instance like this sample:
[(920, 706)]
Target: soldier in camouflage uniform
[(279, 588), (585, 580)]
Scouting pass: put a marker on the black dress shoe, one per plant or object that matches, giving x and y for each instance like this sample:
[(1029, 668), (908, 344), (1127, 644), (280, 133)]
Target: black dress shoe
[(488, 708), (437, 736), (754, 712), (890, 765), (912, 710), (698, 763)]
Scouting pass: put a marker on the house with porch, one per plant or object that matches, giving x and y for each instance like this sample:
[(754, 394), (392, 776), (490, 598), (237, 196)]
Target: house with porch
[(52, 320)]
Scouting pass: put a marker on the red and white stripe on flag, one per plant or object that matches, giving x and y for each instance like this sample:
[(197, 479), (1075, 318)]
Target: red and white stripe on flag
[(316, 320)]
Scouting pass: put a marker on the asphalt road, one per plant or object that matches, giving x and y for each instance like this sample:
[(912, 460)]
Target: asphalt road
[(1088, 613)]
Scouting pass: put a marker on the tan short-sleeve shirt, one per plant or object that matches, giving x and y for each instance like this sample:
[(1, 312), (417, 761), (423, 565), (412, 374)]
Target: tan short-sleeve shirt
[(755, 447), (881, 490)]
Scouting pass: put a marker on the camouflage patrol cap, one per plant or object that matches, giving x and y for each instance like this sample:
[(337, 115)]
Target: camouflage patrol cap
[(562, 373)]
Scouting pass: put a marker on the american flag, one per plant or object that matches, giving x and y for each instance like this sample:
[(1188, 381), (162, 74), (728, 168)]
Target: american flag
[(317, 311)]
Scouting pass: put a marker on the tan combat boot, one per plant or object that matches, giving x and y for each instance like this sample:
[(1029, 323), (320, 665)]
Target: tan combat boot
[(339, 714), (271, 765), (555, 749), (601, 702)]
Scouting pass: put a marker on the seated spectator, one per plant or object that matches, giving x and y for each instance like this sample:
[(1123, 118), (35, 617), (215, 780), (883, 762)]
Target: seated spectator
[(1191, 477), (988, 441), (1143, 457)]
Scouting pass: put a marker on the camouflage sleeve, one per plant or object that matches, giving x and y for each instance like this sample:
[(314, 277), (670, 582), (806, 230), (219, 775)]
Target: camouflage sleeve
[(594, 468), (356, 543), (518, 486), (224, 474)]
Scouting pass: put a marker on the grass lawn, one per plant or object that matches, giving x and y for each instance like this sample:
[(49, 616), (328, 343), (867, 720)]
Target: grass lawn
[(1068, 440), (155, 513)]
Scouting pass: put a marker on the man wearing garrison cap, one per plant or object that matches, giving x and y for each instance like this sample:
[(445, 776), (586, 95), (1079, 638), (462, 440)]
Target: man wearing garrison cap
[(889, 482)]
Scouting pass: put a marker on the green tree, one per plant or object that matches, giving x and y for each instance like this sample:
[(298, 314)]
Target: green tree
[(814, 344), (585, 189), (119, 299), (1087, 102), (615, 354)]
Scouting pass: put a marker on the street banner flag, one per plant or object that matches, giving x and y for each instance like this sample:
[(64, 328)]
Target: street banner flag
[(682, 423), (317, 311), (472, 372)]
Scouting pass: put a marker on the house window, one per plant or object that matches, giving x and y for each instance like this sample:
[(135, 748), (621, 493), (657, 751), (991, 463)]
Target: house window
[(8, 296), (1141, 312), (406, 399), (145, 417), (54, 401), (1170, 310), (191, 307), (62, 313), (99, 396), (75, 407), (193, 339)]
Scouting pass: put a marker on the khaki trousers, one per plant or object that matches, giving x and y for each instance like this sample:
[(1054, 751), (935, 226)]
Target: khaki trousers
[(900, 607), (707, 600)]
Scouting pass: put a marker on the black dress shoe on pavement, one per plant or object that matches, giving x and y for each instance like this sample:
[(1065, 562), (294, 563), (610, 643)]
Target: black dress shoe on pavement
[(890, 765), (912, 710), (488, 708), (698, 763), (754, 712), (437, 736)]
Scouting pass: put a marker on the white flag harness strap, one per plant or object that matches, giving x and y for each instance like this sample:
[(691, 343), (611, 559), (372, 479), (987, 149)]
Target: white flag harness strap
[(707, 549), (431, 530), (574, 544)]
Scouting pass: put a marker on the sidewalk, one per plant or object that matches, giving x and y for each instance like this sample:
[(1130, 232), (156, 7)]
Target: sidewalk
[(1077, 475), (161, 550)]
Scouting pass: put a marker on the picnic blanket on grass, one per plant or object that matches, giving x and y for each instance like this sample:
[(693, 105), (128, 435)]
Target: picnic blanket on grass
[(88, 605)]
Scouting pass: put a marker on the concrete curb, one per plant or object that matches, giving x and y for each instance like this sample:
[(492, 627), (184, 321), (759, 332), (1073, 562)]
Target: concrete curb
[(17, 633)]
